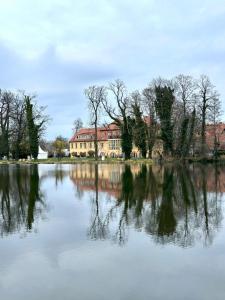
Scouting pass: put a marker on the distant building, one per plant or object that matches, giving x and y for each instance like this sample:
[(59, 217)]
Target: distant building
[(66, 152), (109, 143), (42, 154), (215, 133)]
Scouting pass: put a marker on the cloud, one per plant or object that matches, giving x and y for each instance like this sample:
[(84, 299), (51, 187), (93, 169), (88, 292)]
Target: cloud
[(56, 48)]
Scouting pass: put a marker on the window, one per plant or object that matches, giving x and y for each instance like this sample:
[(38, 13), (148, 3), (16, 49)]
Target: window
[(84, 145), (84, 137), (80, 145), (114, 144), (111, 145)]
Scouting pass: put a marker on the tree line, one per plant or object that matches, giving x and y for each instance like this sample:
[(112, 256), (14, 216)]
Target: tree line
[(177, 112), (22, 122)]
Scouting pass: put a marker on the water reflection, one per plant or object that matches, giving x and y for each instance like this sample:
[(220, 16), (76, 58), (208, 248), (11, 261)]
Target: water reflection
[(179, 204), (98, 228), (174, 204), (89, 210), (21, 199)]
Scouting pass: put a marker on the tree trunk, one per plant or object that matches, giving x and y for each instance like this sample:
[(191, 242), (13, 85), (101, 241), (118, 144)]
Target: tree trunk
[(96, 141), (203, 138)]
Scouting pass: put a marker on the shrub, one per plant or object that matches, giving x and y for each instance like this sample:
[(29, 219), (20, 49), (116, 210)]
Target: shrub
[(91, 153)]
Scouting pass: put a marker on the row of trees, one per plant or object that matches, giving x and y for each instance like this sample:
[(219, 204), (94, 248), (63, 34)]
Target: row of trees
[(22, 122), (177, 112)]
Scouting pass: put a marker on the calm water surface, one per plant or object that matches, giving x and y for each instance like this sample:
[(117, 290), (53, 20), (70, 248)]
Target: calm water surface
[(112, 232)]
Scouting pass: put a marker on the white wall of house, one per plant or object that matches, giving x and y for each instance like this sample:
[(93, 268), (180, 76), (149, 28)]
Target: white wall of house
[(42, 154)]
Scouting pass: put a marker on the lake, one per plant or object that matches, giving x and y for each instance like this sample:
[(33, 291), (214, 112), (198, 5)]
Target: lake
[(112, 231)]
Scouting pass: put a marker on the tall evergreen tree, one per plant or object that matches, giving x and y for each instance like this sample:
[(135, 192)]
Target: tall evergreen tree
[(163, 104), (152, 127), (126, 136), (32, 128), (182, 141), (139, 130)]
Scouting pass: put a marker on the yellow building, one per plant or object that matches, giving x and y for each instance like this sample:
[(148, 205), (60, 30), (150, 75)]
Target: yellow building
[(109, 143)]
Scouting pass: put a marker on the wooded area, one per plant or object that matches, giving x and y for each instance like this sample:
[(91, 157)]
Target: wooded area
[(177, 112)]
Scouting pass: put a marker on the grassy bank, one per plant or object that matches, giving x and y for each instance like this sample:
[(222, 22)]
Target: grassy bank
[(76, 161), (69, 160)]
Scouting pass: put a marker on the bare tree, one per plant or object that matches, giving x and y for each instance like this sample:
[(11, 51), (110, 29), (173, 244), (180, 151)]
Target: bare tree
[(95, 96), (13, 123), (120, 113), (6, 100), (214, 117), (162, 82), (206, 96), (118, 90), (77, 124), (19, 125), (185, 87), (40, 117)]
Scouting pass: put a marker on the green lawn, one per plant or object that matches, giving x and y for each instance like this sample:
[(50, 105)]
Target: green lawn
[(68, 160)]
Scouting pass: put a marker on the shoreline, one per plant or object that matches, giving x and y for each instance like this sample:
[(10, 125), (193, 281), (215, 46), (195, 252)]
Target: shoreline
[(75, 161), (56, 161)]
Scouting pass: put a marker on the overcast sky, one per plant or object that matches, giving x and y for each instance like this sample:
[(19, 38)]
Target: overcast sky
[(56, 48)]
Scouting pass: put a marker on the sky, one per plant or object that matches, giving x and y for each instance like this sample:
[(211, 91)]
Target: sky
[(57, 48)]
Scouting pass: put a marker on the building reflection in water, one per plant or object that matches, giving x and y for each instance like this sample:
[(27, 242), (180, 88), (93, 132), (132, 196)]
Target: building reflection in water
[(174, 204)]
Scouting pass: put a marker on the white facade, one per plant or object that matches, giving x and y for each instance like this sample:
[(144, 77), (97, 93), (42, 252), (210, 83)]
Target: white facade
[(42, 154)]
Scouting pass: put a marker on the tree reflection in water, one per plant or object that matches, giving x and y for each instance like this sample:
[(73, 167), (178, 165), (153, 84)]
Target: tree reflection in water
[(98, 228), (178, 204), (21, 199)]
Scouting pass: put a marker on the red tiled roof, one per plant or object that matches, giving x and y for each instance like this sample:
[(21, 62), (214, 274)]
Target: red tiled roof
[(102, 133)]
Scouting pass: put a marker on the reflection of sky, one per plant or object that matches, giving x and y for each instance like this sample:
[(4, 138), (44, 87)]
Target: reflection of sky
[(56, 48), (59, 262)]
